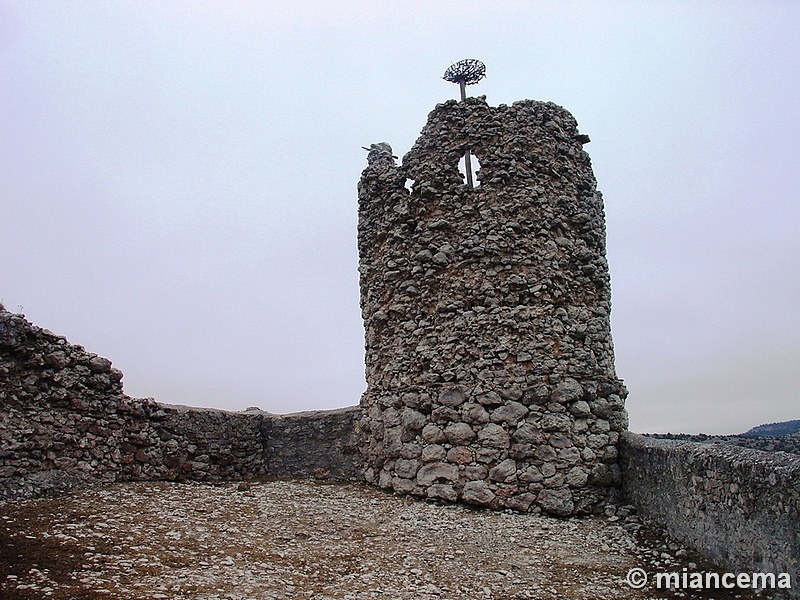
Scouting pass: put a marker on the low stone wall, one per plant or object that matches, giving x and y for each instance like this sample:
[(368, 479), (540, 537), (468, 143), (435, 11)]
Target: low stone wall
[(179, 442), (322, 444), (65, 423), (739, 507)]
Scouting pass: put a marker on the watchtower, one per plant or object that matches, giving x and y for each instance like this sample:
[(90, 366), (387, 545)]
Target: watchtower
[(489, 359)]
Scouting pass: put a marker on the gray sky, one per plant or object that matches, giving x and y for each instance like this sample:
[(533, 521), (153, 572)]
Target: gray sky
[(178, 184)]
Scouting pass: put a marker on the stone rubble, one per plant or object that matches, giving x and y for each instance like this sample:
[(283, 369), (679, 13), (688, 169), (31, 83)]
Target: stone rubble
[(307, 539)]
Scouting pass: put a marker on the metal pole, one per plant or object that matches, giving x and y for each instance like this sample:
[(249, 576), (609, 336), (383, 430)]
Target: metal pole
[(468, 169), (466, 72), (467, 161)]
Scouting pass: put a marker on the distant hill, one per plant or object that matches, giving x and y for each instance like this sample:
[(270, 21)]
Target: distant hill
[(774, 429)]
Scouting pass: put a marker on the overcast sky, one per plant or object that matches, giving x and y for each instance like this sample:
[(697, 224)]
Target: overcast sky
[(178, 184)]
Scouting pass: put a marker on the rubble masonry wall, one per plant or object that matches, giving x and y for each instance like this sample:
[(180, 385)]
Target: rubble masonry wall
[(65, 422), (489, 359)]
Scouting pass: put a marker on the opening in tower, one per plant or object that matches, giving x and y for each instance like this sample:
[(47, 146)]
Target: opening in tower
[(475, 166)]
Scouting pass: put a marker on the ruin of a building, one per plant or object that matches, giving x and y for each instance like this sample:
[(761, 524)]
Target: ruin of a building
[(489, 366), (489, 360)]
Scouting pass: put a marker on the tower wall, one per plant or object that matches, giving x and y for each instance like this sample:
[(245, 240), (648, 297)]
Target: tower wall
[(489, 359)]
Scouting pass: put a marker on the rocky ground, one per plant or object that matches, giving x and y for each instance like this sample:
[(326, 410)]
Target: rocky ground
[(310, 539)]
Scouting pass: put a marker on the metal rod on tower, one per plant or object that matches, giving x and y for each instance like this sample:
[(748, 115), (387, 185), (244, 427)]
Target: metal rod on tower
[(466, 72)]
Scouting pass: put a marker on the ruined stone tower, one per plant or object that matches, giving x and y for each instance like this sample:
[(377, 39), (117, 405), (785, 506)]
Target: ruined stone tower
[(489, 360)]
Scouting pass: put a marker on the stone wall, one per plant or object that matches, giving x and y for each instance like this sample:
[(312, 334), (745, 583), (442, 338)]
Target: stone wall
[(65, 422), (322, 444), (739, 507), (489, 359)]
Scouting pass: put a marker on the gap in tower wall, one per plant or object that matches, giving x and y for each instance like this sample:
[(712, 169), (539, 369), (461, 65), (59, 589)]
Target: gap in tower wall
[(475, 163)]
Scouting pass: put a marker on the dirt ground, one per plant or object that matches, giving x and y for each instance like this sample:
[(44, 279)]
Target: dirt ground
[(309, 539)]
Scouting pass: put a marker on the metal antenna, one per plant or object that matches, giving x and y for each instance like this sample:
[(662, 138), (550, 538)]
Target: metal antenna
[(466, 72)]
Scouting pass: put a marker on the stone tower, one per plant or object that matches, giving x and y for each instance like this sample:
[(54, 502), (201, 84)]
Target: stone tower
[(489, 360)]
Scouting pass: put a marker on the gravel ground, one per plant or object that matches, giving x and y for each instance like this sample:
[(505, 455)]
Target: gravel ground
[(308, 539)]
